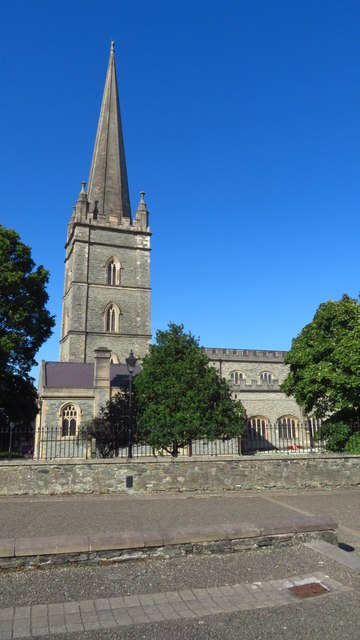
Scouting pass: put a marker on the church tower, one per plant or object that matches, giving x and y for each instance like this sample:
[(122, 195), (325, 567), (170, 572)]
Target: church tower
[(106, 301)]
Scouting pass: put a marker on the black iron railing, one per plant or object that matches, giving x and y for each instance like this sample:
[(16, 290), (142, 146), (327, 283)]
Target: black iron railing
[(16, 441), (285, 436)]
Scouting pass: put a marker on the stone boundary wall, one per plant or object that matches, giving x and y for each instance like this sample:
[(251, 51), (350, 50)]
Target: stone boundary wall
[(59, 477)]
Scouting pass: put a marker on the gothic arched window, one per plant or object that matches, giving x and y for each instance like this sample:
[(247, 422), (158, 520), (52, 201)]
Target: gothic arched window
[(266, 376), (288, 427), (236, 376), (112, 319), (259, 426), (113, 272), (69, 420)]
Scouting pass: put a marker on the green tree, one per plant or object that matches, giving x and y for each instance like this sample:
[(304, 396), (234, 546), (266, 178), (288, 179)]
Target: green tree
[(335, 433), (353, 443), (25, 324), (324, 361), (110, 427), (180, 397)]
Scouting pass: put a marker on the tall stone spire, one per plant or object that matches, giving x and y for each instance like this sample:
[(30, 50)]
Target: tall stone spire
[(108, 190)]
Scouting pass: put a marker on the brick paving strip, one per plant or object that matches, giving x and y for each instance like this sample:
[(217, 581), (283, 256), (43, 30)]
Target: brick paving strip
[(106, 613)]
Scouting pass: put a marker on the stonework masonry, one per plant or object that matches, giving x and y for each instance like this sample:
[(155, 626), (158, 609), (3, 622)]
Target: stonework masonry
[(257, 385), (88, 294), (212, 475)]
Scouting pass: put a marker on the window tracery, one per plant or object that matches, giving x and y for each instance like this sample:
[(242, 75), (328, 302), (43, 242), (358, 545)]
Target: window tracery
[(69, 420), (259, 426), (288, 427), (112, 318), (113, 268), (236, 376), (266, 376)]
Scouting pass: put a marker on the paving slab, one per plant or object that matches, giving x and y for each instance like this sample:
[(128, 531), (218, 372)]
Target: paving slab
[(193, 534), (7, 547), (116, 540), (43, 545), (339, 555)]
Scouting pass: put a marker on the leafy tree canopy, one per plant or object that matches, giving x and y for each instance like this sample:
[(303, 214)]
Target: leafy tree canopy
[(25, 324), (110, 427), (324, 362), (180, 397)]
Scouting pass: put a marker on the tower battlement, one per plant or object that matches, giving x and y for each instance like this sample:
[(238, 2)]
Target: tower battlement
[(245, 355)]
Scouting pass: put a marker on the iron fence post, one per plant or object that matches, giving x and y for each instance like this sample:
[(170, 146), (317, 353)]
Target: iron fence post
[(11, 427), (239, 446), (190, 448), (130, 442)]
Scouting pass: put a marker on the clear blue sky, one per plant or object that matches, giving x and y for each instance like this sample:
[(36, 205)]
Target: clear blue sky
[(241, 121)]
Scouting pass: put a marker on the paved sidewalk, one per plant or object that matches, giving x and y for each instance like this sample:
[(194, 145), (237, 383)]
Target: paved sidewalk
[(111, 613), (93, 527), (39, 530), (94, 514)]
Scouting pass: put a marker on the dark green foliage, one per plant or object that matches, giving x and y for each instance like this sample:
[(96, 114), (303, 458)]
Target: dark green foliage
[(353, 444), (180, 397), (110, 428), (25, 324), (18, 398), (335, 435), (14, 455), (324, 362)]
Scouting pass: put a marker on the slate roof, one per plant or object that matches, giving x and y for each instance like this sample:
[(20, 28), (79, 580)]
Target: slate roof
[(80, 375)]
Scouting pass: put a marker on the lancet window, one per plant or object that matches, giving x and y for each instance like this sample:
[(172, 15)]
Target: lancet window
[(259, 426), (288, 427), (236, 376), (69, 420), (112, 319), (266, 376), (113, 272)]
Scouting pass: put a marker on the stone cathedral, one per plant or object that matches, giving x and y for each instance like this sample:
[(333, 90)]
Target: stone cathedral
[(106, 304)]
